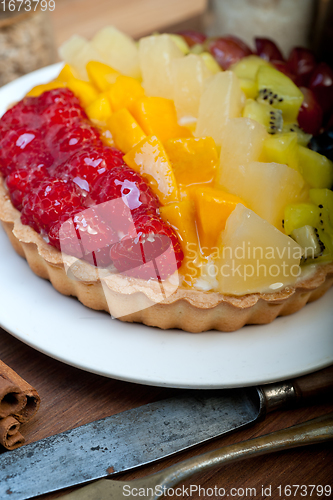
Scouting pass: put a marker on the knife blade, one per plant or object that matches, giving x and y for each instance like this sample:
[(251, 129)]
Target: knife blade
[(145, 434)]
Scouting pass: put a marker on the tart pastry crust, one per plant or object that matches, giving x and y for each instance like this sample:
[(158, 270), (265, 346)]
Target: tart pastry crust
[(189, 310)]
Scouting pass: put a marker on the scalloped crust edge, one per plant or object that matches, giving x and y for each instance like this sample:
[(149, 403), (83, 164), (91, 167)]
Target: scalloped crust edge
[(189, 310)]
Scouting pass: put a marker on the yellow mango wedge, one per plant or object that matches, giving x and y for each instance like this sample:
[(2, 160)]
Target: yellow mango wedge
[(101, 75), (180, 216), (213, 207), (84, 91), (40, 89), (124, 92), (157, 116), (150, 160), (67, 73), (126, 132), (99, 110), (193, 160)]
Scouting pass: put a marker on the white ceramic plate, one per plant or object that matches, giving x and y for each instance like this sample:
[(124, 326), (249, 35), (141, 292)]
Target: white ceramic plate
[(64, 329)]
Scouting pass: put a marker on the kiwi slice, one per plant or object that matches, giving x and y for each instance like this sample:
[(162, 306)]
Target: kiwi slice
[(279, 91), (307, 237), (270, 117), (248, 67), (303, 138), (297, 215), (317, 215), (281, 148), (316, 169)]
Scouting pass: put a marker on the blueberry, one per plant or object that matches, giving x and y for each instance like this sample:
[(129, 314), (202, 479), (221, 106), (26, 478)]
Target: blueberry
[(323, 143)]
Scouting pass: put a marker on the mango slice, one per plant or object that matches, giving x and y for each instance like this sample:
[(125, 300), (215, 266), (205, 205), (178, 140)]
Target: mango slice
[(40, 89), (150, 160), (124, 92), (67, 73), (84, 91), (213, 207), (125, 130), (193, 160), (101, 75), (157, 116), (99, 109), (180, 216)]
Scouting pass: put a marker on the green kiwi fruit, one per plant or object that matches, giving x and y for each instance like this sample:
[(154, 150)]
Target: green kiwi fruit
[(279, 91), (270, 117)]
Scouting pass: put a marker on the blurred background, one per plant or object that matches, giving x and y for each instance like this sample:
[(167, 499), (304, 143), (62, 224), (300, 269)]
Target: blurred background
[(29, 38)]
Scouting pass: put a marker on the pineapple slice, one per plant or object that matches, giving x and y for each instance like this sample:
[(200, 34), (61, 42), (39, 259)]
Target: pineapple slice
[(221, 100), (118, 50), (77, 52), (156, 53), (255, 256), (189, 75), (243, 141), (266, 188)]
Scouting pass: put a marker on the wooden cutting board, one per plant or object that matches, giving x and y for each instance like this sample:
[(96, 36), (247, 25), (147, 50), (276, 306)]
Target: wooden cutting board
[(135, 17)]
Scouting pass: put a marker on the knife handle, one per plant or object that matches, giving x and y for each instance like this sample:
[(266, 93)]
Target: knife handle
[(299, 391), (315, 385)]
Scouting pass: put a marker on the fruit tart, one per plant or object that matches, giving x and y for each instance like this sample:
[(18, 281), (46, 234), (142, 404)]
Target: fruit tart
[(179, 181)]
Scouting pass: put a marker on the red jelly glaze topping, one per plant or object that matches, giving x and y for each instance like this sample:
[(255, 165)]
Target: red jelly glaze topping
[(51, 201), (87, 165), (75, 191), (151, 249), (85, 236), (21, 181)]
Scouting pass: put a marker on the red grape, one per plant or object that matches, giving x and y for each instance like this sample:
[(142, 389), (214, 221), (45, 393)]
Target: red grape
[(321, 83), (310, 115), (301, 62), (227, 50), (192, 37), (268, 50)]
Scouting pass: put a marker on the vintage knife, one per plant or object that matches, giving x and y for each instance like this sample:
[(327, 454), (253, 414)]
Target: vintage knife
[(146, 434)]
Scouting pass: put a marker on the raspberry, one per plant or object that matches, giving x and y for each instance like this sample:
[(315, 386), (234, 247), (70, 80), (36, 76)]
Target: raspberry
[(60, 107), (86, 166), (22, 148), (23, 113), (124, 183), (53, 200), (63, 142), (152, 251), (21, 181), (121, 194), (62, 97), (86, 237)]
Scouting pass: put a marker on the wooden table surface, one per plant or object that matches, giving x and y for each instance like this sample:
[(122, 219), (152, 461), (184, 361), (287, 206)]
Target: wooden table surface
[(72, 397)]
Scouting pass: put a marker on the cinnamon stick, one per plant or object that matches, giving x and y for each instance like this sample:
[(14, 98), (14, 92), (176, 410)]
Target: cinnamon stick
[(17, 398), (10, 437)]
